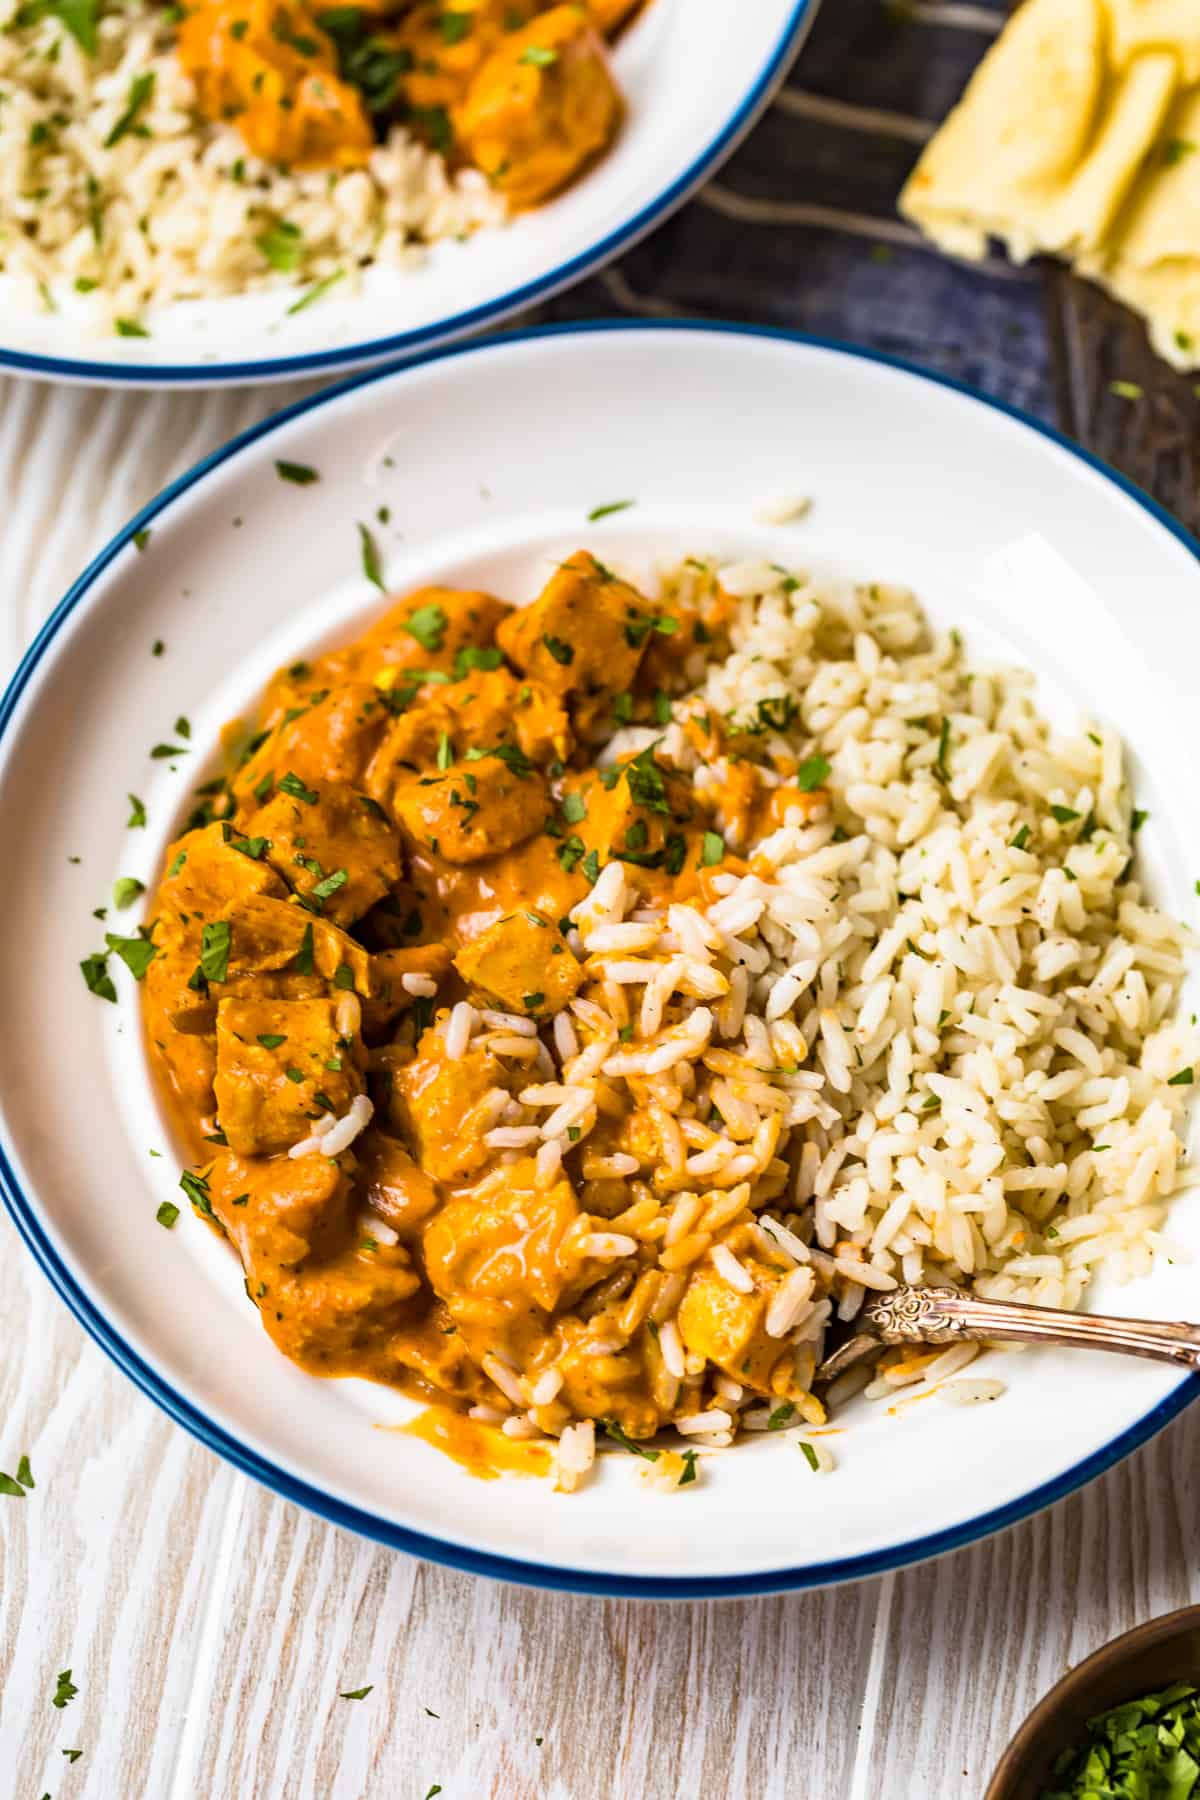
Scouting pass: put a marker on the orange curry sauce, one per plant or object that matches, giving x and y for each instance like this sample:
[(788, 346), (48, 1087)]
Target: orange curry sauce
[(409, 824)]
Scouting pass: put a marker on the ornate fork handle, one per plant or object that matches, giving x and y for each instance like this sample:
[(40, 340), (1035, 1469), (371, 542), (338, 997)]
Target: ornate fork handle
[(943, 1315)]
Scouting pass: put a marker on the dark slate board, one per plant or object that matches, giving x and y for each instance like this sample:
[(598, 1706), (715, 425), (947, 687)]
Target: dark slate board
[(1034, 336)]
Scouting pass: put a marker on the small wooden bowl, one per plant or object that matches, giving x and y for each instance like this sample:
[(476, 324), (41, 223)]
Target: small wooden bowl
[(1143, 1660)]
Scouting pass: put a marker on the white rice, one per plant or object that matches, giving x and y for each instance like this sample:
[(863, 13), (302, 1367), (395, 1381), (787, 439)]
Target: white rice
[(330, 1136), (176, 214)]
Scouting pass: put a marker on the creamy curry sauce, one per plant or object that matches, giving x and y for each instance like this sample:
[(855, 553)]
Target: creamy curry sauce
[(409, 823)]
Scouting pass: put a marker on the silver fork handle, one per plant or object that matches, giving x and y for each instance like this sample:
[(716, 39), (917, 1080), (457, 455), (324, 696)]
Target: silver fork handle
[(943, 1315)]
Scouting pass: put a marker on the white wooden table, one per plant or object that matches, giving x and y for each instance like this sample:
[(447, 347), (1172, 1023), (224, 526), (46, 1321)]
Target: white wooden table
[(211, 1627)]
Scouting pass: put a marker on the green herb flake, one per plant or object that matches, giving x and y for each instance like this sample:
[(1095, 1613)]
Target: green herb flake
[(167, 1214), (73, 1755), (303, 959), (607, 507), (370, 557), (137, 953), (531, 1002), (141, 539), (196, 1188), (316, 292), (781, 1417), (65, 1690), (140, 90), (574, 808), (126, 890), (813, 773), (1125, 390), (428, 625), (1064, 814), (540, 58), (1137, 821), (614, 1431), (356, 1693), (301, 474), (1019, 841), (281, 245), (1183, 1078), (13, 1489), (215, 941), (97, 977), (712, 850), (292, 784), (689, 1469), (130, 328), (561, 652), (809, 1455)]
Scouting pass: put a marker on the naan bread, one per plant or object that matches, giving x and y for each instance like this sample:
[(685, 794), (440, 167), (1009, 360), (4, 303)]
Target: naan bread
[(1079, 135)]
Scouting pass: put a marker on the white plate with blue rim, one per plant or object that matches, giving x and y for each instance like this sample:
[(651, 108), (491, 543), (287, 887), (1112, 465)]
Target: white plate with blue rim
[(695, 75), (1003, 528)]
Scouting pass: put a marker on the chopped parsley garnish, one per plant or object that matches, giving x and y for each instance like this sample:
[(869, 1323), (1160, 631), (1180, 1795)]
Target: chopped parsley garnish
[(445, 752), (141, 539), (1138, 820), (316, 292), (1064, 814), (644, 780), (356, 1693), (622, 708), (137, 953), (9, 1486), (126, 890), (712, 850), (531, 1002), (570, 852), (810, 1456), (1175, 149), (591, 866), (72, 1755), (302, 474), (271, 1040), (613, 1430), (1182, 1078), (137, 812), (540, 58), (813, 773), (140, 90), (781, 1416), (65, 1690), (562, 652), (161, 752), (939, 761), (428, 625), (79, 17), (282, 245), (509, 754), (1146, 1749), (609, 506), (1020, 840), (25, 1473), (574, 808), (215, 941), (475, 656), (370, 557), (689, 1469), (1125, 390), (303, 960), (167, 1214), (196, 1189), (662, 708), (330, 885), (292, 784), (97, 977), (130, 328)]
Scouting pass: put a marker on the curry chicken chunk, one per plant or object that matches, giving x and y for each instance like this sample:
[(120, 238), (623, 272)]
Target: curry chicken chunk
[(522, 90), (388, 999)]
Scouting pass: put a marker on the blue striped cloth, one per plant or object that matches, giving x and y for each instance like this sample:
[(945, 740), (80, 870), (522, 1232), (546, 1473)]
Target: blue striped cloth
[(800, 228)]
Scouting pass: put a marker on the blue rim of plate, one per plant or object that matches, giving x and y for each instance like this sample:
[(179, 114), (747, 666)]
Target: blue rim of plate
[(369, 1525), (405, 344)]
